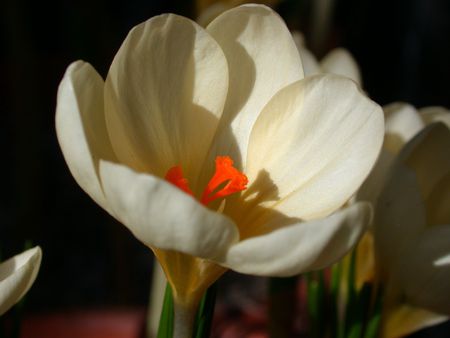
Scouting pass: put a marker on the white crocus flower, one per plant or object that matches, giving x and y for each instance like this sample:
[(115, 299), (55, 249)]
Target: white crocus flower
[(189, 117), (403, 122), (338, 61), (17, 274), (412, 234)]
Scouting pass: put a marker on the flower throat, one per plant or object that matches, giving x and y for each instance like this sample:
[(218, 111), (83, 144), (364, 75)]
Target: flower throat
[(226, 180)]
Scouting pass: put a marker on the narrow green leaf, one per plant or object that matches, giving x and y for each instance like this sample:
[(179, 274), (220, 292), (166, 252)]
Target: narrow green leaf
[(374, 320), (351, 306), (336, 326), (205, 313), (358, 312), (165, 329), (373, 326), (351, 278), (336, 272), (316, 303)]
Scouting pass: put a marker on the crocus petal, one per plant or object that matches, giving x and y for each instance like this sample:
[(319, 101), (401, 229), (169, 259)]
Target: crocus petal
[(161, 215), (17, 274), (399, 216), (438, 202), (300, 247), (406, 319), (164, 95), (402, 123), (374, 183), (424, 270), (310, 64), (244, 32), (435, 114), (429, 156), (339, 61), (80, 127), (317, 139), (365, 260)]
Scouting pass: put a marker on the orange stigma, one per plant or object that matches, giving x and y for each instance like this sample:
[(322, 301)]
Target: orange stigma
[(226, 180), (175, 176)]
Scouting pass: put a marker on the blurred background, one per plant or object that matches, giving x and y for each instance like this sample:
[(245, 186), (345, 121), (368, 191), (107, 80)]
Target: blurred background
[(91, 261)]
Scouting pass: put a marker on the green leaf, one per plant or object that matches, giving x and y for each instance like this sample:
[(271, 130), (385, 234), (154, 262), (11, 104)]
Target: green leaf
[(351, 306), (374, 320), (165, 329), (336, 327), (205, 313), (316, 303)]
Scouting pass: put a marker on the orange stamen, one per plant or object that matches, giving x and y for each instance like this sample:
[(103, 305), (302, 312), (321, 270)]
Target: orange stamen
[(175, 176), (226, 180), (233, 179)]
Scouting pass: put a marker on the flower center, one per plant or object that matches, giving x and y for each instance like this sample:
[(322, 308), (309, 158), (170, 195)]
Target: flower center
[(225, 181)]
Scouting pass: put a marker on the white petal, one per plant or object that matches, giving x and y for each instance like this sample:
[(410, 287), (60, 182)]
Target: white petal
[(262, 59), (402, 123), (429, 156), (300, 247), (80, 127), (435, 114), (17, 274), (309, 61), (407, 319), (164, 95), (399, 216), (316, 141), (310, 64), (339, 61), (161, 215), (419, 173), (374, 183), (438, 202), (424, 270)]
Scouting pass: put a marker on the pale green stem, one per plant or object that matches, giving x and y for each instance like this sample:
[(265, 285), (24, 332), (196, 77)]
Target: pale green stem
[(159, 282), (183, 321)]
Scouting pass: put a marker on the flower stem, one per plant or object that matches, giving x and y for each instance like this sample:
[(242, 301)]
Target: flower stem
[(183, 320), (205, 313), (165, 329)]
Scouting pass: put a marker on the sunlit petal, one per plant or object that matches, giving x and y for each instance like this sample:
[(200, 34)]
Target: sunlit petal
[(402, 123), (252, 37), (164, 95), (309, 138), (80, 127), (302, 246), (339, 61), (161, 215)]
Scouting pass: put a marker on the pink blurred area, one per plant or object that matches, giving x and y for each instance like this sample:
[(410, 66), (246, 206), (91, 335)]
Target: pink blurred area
[(117, 323), (249, 323)]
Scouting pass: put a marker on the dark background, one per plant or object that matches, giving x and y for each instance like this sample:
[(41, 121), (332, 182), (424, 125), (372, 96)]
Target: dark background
[(90, 260)]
